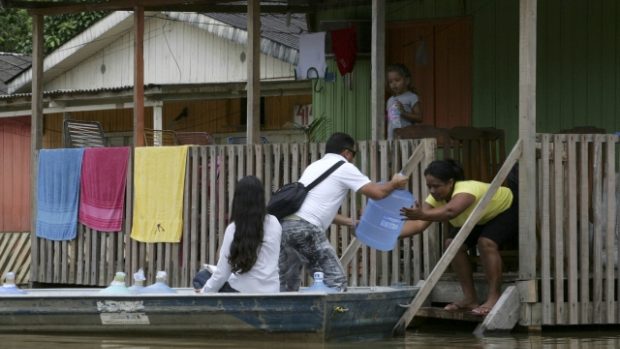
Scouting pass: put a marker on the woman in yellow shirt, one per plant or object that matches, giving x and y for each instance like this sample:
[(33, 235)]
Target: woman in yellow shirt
[(452, 199)]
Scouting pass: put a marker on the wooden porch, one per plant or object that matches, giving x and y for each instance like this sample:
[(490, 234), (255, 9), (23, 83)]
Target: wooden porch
[(576, 280)]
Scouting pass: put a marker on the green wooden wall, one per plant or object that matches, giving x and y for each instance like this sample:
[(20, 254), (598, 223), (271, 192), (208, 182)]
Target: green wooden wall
[(578, 64)]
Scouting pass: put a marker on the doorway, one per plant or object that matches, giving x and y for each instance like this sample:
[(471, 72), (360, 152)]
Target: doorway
[(439, 55)]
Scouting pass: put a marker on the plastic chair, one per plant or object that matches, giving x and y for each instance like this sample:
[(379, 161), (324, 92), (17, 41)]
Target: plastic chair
[(196, 138), (81, 134), (243, 140), (159, 137)]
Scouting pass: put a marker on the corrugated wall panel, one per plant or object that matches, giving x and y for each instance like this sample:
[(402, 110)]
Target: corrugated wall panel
[(15, 174), (578, 65), (174, 52)]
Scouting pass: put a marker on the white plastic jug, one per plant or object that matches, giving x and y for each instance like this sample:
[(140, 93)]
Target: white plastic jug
[(318, 285), (381, 221)]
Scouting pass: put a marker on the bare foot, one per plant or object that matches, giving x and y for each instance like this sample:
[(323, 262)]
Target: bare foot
[(460, 306)]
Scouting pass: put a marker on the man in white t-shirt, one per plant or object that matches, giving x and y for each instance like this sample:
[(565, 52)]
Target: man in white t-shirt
[(304, 241)]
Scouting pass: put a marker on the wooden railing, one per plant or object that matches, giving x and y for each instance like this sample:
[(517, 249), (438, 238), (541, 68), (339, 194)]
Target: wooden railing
[(578, 228), (212, 171)]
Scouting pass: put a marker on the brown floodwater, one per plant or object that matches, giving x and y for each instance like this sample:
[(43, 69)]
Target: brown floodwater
[(435, 336)]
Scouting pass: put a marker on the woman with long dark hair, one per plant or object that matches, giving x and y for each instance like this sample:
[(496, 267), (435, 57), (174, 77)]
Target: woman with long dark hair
[(249, 253), (452, 199)]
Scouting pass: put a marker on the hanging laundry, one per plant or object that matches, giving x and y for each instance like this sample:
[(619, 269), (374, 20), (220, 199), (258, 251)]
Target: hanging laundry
[(102, 195), (58, 188), (159, 179), (311, 56), (344, 46)]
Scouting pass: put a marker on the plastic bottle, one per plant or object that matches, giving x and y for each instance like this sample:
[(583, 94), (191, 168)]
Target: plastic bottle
[(160, 285), (138, 282), (381, 221), (9, 286), (117, 286), (318, 285)]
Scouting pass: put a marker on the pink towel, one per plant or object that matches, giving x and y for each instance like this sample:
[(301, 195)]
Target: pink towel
[(102, 197)]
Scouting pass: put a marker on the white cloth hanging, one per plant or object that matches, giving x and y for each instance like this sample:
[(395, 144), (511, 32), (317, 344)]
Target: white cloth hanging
[(311, 56)]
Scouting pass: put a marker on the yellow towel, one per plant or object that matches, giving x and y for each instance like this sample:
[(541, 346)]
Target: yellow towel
[(159, 177)]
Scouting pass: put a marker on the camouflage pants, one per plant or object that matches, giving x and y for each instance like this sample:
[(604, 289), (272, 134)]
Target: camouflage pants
[(304, 244)]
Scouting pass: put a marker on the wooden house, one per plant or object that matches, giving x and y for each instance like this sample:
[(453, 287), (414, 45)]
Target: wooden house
[(532, 68)]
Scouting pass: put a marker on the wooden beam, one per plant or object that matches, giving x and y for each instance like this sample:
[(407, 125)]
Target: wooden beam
[(527, 134), (36, 133), (138, 81), (219, 6), (253, 71), (504, 315), (457, 242), (377, 84)]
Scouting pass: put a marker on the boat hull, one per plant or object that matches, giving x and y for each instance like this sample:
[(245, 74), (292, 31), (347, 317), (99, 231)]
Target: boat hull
[(360, 312)]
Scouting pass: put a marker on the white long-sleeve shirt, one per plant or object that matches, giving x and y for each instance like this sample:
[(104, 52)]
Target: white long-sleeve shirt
[(264, 275)]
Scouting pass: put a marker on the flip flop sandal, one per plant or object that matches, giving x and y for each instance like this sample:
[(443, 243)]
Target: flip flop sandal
[(481, 311)]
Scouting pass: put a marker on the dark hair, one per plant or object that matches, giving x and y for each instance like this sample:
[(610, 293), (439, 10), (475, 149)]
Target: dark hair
[(400, 69), (445, 170), (338, 142), (248, 213)]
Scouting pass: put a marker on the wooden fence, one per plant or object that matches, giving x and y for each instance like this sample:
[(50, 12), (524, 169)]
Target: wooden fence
[(578, 229), (211, 173)]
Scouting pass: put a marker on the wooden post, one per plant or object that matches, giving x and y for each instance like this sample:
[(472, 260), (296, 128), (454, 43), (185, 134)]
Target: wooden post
[(253, 66), (158, 137), (377, 84), (138, 77), (527, 134), (36, 135)]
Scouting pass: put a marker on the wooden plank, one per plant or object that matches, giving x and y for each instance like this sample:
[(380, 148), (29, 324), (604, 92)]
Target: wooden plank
[(527, 130), (377, 82), (545, 223), (584, 232), (558, 227), (87, 256), (214, 180), (138, 77), (36, 142), (204, 205), (192, 267), (597, 267), (457, 242), (79, 275), (610, 228), (253, 71), (431, 244), (571, 221), (72, 259)]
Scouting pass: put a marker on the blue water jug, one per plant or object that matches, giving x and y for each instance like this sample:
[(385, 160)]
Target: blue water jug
[(9, 287), (381, 221), (160, 285), (318, 285)]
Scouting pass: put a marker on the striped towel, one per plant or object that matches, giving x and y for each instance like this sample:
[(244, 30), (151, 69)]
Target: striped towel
[(58, 193), (159, 179), (102, 197)]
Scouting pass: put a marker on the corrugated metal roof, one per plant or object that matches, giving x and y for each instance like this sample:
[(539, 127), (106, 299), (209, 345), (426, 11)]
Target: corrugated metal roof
[(279, 36), (280, 28), (11, 64)]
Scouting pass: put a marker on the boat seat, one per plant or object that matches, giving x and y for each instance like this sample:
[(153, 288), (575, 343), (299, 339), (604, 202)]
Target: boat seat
[(81, 134)]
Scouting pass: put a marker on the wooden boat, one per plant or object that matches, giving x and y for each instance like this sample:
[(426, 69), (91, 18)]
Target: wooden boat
[(361, 311)]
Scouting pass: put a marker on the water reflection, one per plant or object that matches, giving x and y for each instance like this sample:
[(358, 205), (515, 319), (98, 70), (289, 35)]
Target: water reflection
[(435, 338)]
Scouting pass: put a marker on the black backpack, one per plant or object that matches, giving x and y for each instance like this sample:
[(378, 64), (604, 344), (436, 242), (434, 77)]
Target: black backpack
[(288, 199)]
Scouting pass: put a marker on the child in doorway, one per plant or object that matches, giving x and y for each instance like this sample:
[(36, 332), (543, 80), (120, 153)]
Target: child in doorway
[(403, 108)]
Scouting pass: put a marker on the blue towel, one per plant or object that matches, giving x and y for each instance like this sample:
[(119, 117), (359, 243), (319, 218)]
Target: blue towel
[(58, 193)]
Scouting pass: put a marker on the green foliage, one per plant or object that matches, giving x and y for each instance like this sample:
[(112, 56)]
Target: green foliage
[(16, 29)]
